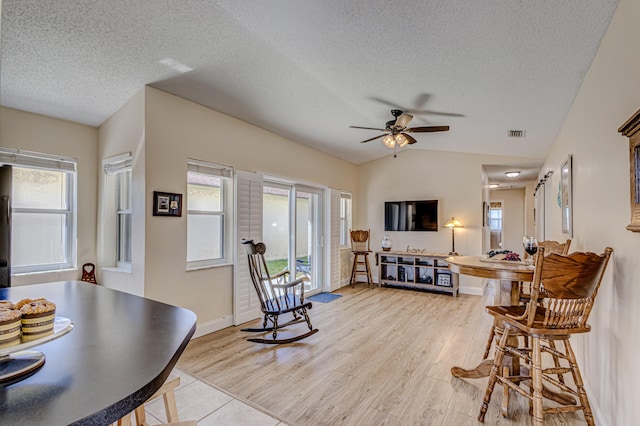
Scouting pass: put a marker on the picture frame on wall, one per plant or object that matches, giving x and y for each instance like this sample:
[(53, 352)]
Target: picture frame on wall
[(167, 204), (485, 213), (566, 196)]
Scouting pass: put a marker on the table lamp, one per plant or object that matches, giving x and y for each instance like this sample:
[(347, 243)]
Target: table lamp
[(453, 224)]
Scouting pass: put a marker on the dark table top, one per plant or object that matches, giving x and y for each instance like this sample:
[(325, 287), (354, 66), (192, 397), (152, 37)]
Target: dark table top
[(122, 349)]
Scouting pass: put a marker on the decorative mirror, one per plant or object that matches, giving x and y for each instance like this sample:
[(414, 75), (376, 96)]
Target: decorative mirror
[(630, 129), (566, 196)]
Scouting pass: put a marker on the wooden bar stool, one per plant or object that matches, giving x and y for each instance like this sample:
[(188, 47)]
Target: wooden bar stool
[(170, 406), (360, 247), (571, 285)]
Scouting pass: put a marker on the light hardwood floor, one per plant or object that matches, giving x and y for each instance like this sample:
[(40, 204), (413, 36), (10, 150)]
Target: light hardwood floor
[(382, 356)]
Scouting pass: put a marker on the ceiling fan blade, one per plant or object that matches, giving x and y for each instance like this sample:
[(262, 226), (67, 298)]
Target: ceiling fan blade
[(431, 112), (368, 128), (428, 129), (374, 138), (403, 120), (410, 139)]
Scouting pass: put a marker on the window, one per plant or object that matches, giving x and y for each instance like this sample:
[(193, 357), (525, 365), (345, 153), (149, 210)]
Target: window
[(208, 201), (43, 219), (118, 212), (345, 219)]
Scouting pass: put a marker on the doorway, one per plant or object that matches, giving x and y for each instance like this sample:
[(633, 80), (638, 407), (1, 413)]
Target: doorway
[(292, 227), (496, 223)]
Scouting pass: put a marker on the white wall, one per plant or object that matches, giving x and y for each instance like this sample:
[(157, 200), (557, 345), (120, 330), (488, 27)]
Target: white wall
[(609, 95), (124, 132), (33, 132), (455, 179)]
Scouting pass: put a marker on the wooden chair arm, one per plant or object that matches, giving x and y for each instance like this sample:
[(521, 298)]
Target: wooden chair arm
[(279, 274), (291, 284)]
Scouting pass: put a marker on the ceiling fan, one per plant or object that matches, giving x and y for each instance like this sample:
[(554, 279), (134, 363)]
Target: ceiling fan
[(396, 132)]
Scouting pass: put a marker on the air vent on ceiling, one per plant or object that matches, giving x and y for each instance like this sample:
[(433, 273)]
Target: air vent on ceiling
[(516, 133)]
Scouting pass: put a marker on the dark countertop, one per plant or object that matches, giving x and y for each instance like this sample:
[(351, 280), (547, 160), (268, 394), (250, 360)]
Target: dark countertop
[(121, 350)]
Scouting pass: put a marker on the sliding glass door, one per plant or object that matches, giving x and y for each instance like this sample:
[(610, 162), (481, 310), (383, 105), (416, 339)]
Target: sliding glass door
[(292, 226)]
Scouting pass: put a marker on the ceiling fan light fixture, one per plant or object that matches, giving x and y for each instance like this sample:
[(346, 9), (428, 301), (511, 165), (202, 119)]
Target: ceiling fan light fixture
[(389, 141), (513, 174), (401, 140)]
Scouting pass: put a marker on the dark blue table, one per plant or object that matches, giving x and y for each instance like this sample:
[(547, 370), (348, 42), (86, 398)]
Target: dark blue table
[(120, 352)]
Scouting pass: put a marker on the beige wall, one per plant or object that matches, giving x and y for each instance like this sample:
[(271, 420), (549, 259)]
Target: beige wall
[(455, 179), (176, 130), (513, 217), (123, 133), (33, 132), (610, 93)]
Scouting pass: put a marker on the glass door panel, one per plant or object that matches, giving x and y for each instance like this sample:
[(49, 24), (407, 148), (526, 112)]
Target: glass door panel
[(292, 226), (307, 237), (276, 226)]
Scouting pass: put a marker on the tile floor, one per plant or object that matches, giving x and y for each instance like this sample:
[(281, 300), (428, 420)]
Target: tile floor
[(209, 405)]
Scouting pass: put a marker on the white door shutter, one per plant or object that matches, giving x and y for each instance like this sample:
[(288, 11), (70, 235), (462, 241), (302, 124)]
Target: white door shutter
[(334, 240), (248, 222)]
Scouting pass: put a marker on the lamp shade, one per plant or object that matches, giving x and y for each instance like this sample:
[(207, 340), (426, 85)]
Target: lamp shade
[(453, 223), (389, 141)]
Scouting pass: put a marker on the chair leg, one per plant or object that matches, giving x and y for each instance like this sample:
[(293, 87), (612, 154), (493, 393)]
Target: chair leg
[(577, 379), (141, 416), (275, 327), (369, 279), (306, 317), (493, 377), (536, 381), (170, 406), (353, 271), (492, 334)]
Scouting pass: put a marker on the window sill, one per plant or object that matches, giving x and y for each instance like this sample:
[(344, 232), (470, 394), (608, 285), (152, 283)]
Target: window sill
[(198, 268), (49, 271), (117, 269)]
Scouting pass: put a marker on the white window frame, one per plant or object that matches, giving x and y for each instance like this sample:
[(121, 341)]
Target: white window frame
[(33, 160), (345, 219), (226, 175), (120, 166)]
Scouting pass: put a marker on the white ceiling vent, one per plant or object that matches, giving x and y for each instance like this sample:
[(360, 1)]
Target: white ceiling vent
[(516, 133)]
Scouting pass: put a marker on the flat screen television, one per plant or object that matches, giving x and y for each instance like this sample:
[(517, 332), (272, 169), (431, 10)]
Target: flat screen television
[(411, 215)]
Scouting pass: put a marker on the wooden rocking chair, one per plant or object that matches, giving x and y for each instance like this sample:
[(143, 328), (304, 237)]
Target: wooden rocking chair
[(278, 296)]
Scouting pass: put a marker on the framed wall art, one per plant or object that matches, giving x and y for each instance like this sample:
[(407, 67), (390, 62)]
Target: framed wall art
[(630, 129), (167, 204), (566, 196)]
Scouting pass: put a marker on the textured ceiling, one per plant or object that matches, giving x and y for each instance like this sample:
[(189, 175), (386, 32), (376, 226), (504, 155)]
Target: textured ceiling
[(308, 69)]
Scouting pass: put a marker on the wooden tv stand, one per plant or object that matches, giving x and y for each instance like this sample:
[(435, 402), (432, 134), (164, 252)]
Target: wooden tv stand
[(418, 271)]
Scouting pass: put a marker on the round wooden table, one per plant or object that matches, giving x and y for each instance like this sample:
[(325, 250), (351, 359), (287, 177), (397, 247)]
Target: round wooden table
[(509, 274), (120, 352)]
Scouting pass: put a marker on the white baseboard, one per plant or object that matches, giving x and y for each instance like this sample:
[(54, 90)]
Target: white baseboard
[(476, 291), (214, 325)]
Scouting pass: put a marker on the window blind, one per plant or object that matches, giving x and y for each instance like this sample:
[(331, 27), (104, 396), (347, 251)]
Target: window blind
[(119, 163), (17, 157), (205, 168)]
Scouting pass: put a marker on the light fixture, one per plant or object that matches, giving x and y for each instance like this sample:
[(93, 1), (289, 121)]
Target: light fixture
[(401, 140), (493, 185), (390, 141), (513, 174), (453, 224)]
